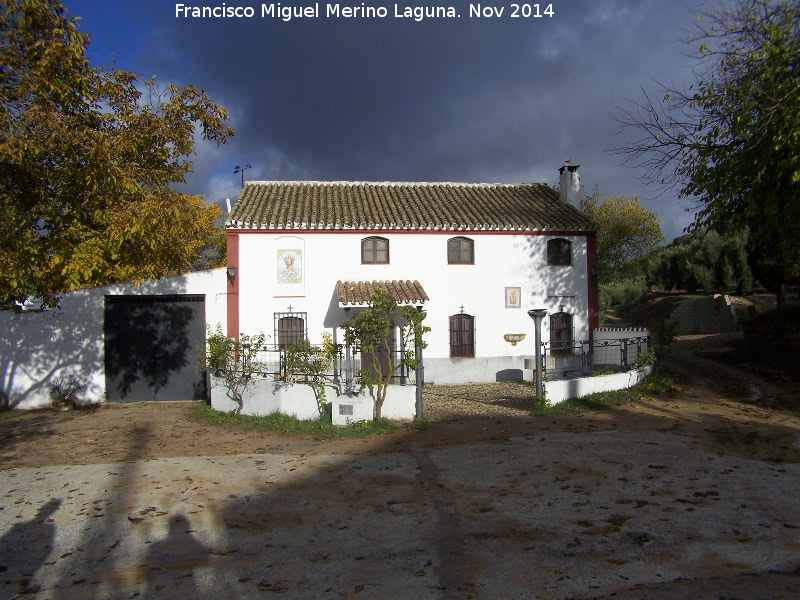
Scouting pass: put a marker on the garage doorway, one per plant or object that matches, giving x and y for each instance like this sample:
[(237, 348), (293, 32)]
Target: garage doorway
[(151, 347)]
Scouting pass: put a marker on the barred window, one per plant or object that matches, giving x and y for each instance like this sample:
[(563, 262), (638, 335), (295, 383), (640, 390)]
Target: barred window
[(561, 333), (290, 329), (374, 250), (462, 336), (460, 251)]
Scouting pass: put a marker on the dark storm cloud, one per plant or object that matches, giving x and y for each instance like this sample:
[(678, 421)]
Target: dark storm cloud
[(394, 99)]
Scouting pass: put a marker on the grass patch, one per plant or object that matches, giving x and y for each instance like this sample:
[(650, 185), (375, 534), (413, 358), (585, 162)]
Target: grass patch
[(290, 425), (656, 383)]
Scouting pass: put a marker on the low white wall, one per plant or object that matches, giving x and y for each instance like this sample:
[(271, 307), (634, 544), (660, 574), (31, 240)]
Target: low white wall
[(400, 404), (564, 389), (265, 396)]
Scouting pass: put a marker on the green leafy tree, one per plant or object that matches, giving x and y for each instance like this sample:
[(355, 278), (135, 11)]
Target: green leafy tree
[(234, 361), (88, 156), (313, 364), (626, 232), (731, 139), (702, 260), (370, 332)]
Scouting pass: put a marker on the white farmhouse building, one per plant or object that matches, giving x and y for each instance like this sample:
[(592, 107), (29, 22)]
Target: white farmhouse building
[(475, 257)]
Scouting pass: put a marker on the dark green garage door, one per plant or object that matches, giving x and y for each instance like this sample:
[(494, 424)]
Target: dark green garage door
[(151, 346)]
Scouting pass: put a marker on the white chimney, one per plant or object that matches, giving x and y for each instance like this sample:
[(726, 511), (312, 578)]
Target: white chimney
[(569, 184)]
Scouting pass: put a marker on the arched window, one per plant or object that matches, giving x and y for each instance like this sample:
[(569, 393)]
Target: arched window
[(559, 252), (462, 336), (460, 251), (561, 333), (374, 250)]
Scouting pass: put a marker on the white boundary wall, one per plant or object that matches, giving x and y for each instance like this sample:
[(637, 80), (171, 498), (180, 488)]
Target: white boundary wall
[(264, 397), (564, 389), (36, 348)]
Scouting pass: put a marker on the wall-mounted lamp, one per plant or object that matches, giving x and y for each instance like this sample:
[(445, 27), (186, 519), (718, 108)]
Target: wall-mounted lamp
[(231, 272), (595, 271)]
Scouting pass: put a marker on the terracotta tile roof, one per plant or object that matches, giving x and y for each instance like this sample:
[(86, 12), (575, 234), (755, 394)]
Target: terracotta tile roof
[(414, 206), (359, 293)]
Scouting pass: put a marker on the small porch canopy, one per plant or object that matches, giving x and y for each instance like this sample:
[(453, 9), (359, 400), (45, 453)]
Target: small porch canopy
[(359, 293)]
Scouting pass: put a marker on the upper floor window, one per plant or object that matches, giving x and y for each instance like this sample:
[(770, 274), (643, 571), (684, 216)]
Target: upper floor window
[(559, 252), (460, 251), (374, 250)]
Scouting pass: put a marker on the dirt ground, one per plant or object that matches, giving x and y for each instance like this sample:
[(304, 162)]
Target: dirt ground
[(687, 494), (722, 402)]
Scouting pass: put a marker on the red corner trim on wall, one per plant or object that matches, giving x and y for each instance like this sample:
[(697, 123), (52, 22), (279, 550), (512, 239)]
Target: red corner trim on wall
[(232, 240), (591, 264)]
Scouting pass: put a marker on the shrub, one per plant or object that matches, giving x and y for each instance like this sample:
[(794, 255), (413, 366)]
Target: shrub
[(314, 364), (64, 391), (233, 360)]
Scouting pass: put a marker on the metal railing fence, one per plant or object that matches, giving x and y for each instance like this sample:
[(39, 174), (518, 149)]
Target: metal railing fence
[(579, 358), (345, 368)]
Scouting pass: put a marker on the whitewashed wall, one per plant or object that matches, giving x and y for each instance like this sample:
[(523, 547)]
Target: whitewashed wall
[(564, 389), (36, 348), (501, 260), (264, 397)]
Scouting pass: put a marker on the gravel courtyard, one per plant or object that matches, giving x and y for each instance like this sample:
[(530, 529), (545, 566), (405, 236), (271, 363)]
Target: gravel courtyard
[(688, 494)]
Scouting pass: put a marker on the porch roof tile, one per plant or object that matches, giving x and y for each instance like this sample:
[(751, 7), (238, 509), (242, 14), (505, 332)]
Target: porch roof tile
[(359, 293), (315, 205)]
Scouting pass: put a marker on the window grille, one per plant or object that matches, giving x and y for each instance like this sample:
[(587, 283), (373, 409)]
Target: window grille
[(561, 333), (290, 328), (559, 252), (374, 250), (462, 336), (460, 251)]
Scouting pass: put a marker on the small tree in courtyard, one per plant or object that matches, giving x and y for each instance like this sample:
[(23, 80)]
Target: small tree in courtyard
[(314, 364), (234, 361), (370, 332)]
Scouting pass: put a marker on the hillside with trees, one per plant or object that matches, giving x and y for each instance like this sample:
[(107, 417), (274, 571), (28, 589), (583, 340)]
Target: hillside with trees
[(730, 138)]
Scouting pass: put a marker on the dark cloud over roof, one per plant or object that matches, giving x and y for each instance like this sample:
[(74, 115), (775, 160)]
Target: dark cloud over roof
[(465, 99)]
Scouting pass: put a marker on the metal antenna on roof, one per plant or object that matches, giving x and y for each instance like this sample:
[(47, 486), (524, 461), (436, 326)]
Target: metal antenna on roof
[(241, 170)]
